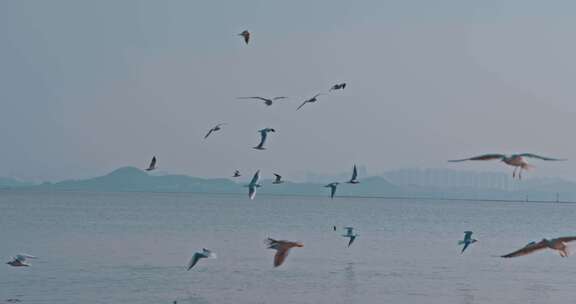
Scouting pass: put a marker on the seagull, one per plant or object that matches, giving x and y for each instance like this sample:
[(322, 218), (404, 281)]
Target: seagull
[(237, 174), (278, 179), (218, 127), (152, 164), (332, 187), (200, 255), (350, 234), (253, 185), (354, 179), (246, 35), (467, 240), (282, 249), (267, 101), (263, 135), (558, 244), (514, 160), (338, 86), (20, 260), (334, 228), (310, 100)]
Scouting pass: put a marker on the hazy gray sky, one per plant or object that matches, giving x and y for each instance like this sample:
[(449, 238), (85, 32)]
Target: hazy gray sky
[(89, 86)]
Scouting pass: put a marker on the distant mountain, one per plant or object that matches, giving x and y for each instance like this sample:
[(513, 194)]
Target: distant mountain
[(13, 183), (133, 179)]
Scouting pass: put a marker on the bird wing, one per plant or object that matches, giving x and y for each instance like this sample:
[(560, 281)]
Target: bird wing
[(255, 178), (481, 157), (567, 239), (251, 192), (352, 238), (280, 256), (279, 97), (316, 95), (354, 173), (467, 235), (530, 155), (305, 102), (247, 37), (195, 258), (209, 132), (255, 97), (332, 191), (466, 244), (526, 249), (152, 163), (278, 177)]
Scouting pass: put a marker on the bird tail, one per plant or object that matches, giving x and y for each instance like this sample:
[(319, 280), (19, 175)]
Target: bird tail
[(527, 167)]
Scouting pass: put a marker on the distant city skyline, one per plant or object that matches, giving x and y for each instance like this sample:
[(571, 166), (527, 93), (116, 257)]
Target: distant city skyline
[(88, 87)]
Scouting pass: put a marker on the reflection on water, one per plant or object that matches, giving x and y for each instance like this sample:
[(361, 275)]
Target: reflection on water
[(349, 288)]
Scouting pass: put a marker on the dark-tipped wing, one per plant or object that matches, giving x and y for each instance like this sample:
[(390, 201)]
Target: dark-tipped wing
[(255, 97), (255, 178), (209, 132), (567, 239), (305, 102), (279, 97), (354, 173), (332, 191), (152, 163), (530, 155), (465, 246), (467, 235), (278, 177), (195, 258), (481, 157), (352, 238), (526, 250), (280, 256), (263, 135)]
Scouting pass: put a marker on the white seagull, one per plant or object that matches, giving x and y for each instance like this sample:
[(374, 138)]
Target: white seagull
[(253, 185), (200, 255), (217, 127), (263, 135), (267, 101), (332, 187), (278, 179), (467, 240), (20, 260), (515, 160), (310, 100), (350, 234), (246, 35), (558, 244), (338, 86), (354, 178), (282, 248), (152, 165)]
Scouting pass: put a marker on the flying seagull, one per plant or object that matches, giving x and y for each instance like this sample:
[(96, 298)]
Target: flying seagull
[(350, 234), (200, 255), (354, 179), (278, 179), (515, 160), (152, 164), (20, 260), (263, 135), (338, 86), (253, 185), (332, 187), (310, 100), (246, 35), (334, 228), (267, 101), (217, 127), (282, 248), (558, 244), (237, 174), (467, 240)]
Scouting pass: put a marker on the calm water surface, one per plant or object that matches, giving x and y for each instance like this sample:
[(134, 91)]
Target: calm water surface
[(133, 248)]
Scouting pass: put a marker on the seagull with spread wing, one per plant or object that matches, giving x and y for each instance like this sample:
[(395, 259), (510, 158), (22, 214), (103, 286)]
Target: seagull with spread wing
[(205, 254), (282, 248), (246, 35), (267, 101), (217, 127), (278, 179), (263, 136), (354, 178), (152, 165), (253, 185), (237, 173), (515, 160), (338, 86), (332, 187), (467, 240), (310, 100), (350, 234), (20, 260), (558, 244)]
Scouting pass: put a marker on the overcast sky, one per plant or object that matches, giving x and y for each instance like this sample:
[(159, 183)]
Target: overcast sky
[(90, 86)]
